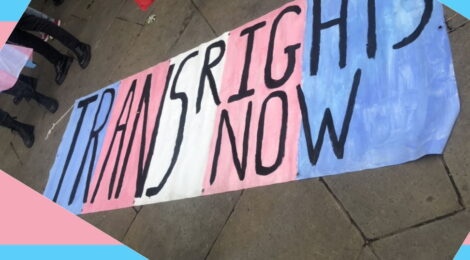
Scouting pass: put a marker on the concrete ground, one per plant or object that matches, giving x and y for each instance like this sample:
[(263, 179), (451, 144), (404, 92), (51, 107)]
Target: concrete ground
[(417, 210)]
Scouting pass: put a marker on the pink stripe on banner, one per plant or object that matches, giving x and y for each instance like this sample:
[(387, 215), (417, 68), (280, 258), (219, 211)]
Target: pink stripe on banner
[(105, 191), (28, 218), (272, 166), (5, 30)]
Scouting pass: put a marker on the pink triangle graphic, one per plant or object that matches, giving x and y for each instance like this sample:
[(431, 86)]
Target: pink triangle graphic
[(28, 218)]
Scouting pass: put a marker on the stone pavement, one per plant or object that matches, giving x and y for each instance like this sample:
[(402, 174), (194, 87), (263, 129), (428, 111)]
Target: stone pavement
[(412, 211)]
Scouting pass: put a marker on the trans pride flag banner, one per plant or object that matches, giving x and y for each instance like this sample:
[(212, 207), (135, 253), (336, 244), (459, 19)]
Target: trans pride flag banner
[(314, 88)]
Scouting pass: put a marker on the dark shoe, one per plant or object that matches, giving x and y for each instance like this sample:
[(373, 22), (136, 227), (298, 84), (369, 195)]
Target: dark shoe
[(49, 103), (62, 68), (27, 134), (25, 131), (83, 52), (58, 2)]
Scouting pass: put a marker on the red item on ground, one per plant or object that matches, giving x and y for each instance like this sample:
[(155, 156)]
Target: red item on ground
[(144, 4)]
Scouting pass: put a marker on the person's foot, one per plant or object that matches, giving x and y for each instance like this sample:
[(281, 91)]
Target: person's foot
[(62, 68), (58, 2), (26, 133), (83, 52), (49, 103)]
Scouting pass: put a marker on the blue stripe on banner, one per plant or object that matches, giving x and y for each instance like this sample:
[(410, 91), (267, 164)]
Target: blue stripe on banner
[(11, 11), (463, 253), (68, 183), (460, 6), (70, 252), (406, 101)]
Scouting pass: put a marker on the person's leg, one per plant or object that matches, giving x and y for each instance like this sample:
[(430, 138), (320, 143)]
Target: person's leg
[(32, 11), (25, 88), (58, 2), (29, 40), (3, 116), (61, 62), (25, 131), (34, 23), (37, 24)]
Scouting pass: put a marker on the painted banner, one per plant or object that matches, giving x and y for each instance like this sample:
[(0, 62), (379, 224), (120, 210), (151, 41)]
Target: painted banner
[(314, 88)]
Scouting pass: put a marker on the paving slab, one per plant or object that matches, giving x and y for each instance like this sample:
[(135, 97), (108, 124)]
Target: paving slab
[(457, 151), (155, 40), (116, 42), (99, 16), (385, 200), (183, 229), (297, 220), (367, 254), (197, 32), (437, 240), (227, 15), (63, 12), (115, 223), (454, 20)]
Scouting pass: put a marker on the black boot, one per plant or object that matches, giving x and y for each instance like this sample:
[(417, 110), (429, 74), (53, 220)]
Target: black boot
[(25, 131), (58, 2), (49, 103), (62, 68), (25, 88), (83, 52)]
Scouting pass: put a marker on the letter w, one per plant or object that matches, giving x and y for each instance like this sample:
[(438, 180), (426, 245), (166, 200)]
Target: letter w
[(327, 122)]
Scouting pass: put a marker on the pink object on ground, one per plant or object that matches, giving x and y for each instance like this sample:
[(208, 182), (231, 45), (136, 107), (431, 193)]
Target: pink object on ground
[(28, 218), (144, 4), (12, 61)]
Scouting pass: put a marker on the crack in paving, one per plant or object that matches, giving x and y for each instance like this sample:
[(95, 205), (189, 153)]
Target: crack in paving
[(369, 241), (343, 208), (364, 246), (452, 180), (16, 154), (374, 253), (185, 24), (451, 30), (417, 225), (90, 4), (127, 21), (204, 17), (226, 221), (130, 225)]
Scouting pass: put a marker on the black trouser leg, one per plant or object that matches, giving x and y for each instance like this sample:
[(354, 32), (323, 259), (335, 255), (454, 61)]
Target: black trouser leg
[(3, 116), (23, 88), (25, 131), (37, 24), (28, 40)]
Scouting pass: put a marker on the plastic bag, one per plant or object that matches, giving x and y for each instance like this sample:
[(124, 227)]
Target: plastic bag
[(12, 61)]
